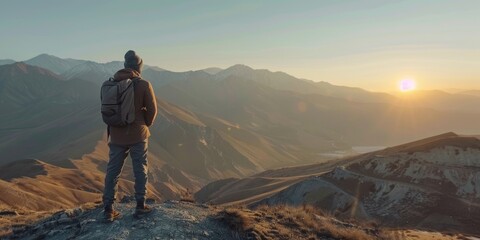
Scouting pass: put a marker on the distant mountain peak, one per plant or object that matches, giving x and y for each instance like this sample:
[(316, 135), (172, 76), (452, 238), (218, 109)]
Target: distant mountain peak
[(240, 67), (53, 63), (237, 70), (44, 56), (23, 68)]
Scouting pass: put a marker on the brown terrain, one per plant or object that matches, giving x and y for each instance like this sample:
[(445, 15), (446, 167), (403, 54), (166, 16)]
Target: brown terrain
[(243, 136), (429, 184), (183, 220)]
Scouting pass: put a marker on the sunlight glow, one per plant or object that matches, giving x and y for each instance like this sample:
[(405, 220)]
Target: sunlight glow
[(407, 84)]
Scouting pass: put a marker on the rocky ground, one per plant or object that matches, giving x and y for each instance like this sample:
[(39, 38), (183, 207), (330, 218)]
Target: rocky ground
[(170, 220), (185, 220)]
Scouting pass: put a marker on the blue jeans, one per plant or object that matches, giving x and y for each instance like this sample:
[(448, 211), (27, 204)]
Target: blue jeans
[(118, 154)]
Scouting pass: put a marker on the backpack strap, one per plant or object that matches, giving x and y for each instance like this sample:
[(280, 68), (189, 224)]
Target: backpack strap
[(134, 81), (108, 126)]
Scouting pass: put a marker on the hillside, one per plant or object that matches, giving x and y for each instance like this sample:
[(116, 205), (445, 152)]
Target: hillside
[(172, 173), (23, 85), (427, 184)]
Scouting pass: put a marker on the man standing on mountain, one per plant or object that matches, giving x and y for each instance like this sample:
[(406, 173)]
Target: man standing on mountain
[(131, 138)]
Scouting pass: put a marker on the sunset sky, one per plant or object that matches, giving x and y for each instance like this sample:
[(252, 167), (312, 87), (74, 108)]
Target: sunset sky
[(371, 44)]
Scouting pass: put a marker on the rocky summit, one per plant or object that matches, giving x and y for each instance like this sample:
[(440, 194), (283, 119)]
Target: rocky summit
[(169, 220)]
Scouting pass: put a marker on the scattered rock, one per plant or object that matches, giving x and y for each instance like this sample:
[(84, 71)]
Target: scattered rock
[(16, 229), (171, 202), (74, 212), (8, 213), (49, 224), (64, 220), (174, 220), (127, 199), (87, 221), (53, 233), (38, 227)]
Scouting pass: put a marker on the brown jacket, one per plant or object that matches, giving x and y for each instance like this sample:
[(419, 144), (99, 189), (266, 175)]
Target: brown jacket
[(145, 111)]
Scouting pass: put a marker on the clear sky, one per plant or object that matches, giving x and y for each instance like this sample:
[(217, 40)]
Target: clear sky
[(364, 43)]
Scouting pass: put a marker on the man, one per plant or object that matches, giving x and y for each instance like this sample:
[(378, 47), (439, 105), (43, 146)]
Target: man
[(132, 139)]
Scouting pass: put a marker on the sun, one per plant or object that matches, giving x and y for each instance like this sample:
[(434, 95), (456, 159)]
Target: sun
[(407, 85)]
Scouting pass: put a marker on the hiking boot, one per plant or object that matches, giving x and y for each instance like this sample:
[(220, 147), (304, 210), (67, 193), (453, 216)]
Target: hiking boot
[(141, 211), (110, 215)]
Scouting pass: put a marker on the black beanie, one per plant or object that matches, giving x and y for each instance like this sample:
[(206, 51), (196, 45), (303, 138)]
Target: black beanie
[(133, 61)]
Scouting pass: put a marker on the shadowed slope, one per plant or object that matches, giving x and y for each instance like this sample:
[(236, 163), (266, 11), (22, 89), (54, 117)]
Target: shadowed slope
[(430, 184)]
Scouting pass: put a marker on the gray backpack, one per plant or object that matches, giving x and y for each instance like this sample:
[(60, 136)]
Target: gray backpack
[(118, 102)]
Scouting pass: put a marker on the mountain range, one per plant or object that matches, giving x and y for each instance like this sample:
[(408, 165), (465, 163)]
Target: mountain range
[(222, 132)]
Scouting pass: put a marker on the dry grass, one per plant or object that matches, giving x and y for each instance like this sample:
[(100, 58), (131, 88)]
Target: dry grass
[(284, 222), (187, 196), (23, 218), (27, 217)]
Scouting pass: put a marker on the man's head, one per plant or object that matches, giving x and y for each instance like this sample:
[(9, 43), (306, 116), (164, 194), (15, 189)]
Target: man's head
[(133, 61)]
